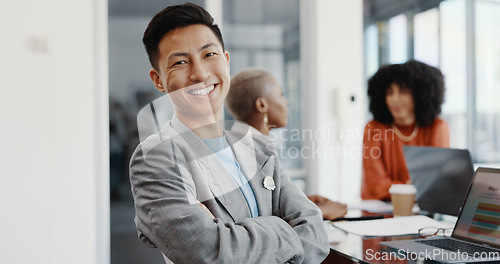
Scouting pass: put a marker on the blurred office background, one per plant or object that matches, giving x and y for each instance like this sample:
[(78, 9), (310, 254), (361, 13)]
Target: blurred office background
[(75, 75)]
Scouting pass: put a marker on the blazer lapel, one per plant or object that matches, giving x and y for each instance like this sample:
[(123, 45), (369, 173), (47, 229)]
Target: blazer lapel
[(252, 164), (263, 195), (224, 188), (220, 181)]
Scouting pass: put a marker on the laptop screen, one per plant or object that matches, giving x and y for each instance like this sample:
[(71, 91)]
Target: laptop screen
[(479, 220), (442, 177)]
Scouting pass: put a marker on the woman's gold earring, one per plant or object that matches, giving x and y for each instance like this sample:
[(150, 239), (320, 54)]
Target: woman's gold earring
[(266, 120)]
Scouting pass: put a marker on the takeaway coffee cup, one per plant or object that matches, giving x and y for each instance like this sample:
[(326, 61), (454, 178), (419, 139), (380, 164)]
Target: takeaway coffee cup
[(402, 197)]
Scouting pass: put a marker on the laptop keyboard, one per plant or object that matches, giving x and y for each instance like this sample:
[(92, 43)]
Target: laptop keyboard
[(456, 245)]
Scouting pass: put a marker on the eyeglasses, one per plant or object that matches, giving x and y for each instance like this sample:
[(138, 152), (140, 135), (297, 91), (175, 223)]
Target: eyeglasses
[(434, 231)]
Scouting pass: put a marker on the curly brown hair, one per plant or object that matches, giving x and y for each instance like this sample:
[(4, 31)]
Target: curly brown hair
[(426, 83)]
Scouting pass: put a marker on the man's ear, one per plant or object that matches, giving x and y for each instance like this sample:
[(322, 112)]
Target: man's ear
[(261, 105), (155, 77), (227, 58)]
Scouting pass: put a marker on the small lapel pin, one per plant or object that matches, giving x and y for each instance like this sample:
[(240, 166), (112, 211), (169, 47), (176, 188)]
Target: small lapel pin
[(269, 183)]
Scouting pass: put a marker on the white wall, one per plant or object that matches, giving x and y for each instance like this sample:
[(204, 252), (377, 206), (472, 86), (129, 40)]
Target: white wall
[(332, 60), (54, 114)]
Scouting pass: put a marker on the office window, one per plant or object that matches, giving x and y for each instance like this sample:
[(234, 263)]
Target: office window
[(454, 67), (461, 38), (371, 50), (398, 47), (257, 35), (487, 128), (426, 37)]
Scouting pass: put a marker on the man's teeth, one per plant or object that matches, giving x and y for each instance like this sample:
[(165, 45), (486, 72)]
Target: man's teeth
[(203, 91)]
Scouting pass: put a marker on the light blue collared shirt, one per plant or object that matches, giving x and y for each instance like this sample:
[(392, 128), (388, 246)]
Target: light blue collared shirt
[(225, 154)]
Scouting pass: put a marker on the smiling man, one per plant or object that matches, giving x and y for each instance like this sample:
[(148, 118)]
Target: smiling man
[(193, 67), (206, 191)]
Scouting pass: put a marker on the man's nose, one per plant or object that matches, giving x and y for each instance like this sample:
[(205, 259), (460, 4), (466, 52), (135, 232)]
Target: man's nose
[(199, 72)]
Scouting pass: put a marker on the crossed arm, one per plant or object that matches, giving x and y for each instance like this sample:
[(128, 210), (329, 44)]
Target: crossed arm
[(168, 217)]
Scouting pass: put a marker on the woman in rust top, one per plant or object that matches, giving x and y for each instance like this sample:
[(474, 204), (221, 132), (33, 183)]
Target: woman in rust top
[(405, 100)]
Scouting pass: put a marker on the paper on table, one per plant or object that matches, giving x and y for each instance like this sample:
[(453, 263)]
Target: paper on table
[(372, 206), (334, 234), (376, 206), (391, 226)]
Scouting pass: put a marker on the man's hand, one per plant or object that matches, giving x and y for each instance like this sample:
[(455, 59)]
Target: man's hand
[(330, 209)]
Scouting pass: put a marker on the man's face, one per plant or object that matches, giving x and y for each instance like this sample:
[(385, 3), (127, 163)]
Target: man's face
[(194, 70)]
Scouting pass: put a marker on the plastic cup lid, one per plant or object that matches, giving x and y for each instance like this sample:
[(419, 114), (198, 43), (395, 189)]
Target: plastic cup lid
[(402, 189)]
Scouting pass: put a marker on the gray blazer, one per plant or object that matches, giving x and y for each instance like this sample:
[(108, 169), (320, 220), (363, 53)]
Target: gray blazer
[(170, 172)]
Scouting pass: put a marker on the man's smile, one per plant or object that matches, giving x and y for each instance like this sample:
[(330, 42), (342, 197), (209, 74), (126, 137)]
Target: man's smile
[(203, 91)]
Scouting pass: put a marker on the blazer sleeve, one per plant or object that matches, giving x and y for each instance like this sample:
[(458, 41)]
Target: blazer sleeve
[(167, 218), (303, 216)]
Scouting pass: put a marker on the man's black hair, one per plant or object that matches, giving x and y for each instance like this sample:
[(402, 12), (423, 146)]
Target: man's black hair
[(173, 17)]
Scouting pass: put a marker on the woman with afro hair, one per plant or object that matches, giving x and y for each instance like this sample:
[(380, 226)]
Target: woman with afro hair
[(405, 100)]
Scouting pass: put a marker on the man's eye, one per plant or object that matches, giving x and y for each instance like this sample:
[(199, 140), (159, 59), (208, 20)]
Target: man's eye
[(210, 54), (179, 63)]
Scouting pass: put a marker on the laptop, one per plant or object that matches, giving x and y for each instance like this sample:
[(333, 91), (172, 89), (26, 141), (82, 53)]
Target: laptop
[(441, 176), (476, 236)]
